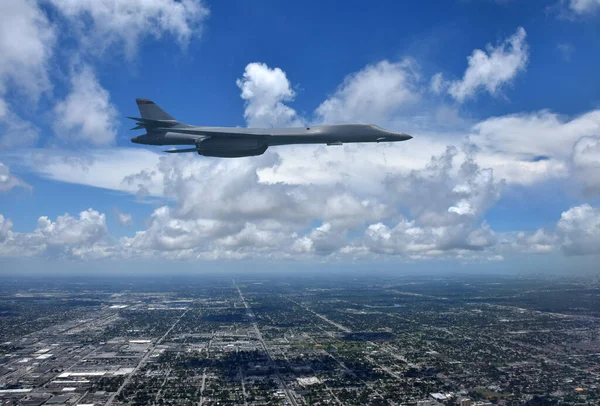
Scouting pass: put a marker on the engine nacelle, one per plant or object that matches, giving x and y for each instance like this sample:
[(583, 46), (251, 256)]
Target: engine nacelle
[(228, 147)]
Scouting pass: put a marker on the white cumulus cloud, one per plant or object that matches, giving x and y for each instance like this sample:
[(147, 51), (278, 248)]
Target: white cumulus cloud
[(102, 24), (579, 228), (86, 114), (540, 242), (15, 131), (449, 190), (586, 163), (27, 40), (88, 228), (577, 233), (223, 209), (5, 227), (264, 91), (373, 94), (447, 201), (418, 199), (533, 147), (167, 233), (490, 70), (582, 7), (81, 237), (9, 181), (125, 219), (437, 84)]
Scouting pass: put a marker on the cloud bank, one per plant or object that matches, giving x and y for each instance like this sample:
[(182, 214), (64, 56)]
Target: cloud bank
[(424, 199)]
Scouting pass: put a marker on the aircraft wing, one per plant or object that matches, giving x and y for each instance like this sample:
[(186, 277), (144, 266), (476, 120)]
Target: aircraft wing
[(209, 132)]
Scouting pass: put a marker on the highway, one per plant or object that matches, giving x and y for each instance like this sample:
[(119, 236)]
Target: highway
[(249, 312)]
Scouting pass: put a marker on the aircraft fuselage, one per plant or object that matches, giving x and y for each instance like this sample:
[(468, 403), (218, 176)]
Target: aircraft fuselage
[(231, 142)]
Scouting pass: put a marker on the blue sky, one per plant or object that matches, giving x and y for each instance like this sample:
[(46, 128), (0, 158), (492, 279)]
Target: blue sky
[(501, 97)]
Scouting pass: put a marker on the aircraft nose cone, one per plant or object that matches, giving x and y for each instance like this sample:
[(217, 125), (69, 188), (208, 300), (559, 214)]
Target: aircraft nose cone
[(135, 140)]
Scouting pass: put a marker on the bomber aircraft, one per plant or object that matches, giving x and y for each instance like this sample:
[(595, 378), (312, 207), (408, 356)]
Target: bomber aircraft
[(233, 142)]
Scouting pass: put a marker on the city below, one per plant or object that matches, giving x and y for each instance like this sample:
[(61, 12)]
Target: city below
[(300, 339)]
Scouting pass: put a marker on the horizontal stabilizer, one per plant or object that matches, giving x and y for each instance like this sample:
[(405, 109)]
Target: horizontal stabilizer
[(167, 123), (150, 120), (178, 151)]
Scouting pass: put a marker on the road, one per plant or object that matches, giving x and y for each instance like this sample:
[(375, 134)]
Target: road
[(347, 330), (289, 396), (142, 361), (202, 387)]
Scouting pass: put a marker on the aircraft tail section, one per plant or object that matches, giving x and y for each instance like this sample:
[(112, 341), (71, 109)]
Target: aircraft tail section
[(150, 110), (154, 119)]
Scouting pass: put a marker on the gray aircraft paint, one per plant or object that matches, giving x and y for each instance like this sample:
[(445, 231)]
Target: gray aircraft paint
[(232, 142)]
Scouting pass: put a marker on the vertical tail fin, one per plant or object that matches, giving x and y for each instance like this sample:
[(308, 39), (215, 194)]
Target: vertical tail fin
[(150, 110)]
